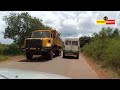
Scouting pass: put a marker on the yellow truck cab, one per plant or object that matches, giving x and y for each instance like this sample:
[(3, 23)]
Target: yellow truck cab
[(43, 42)]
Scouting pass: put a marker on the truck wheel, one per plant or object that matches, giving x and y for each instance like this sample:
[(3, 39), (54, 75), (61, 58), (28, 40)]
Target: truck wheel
[(60, 53), (29, 55), (63, 55), (50, 55), (57, 53), (77, 56)]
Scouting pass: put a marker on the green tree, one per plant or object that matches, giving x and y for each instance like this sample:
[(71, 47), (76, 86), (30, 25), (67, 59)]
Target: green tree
[(103, 35), (115, 33), (83, 40), (95, 35), (20, 26), (109, 31)]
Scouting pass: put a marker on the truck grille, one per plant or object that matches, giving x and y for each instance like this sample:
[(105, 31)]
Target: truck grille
[(33, 43)]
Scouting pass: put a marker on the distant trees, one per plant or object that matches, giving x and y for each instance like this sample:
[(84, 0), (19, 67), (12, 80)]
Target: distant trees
[(83, 40), (116, 33), (103, 35), (21, 25), (107, 32)]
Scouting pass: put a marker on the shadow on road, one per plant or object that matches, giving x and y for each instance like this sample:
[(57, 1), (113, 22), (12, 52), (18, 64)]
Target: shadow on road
[(37, 59), (70, 57)]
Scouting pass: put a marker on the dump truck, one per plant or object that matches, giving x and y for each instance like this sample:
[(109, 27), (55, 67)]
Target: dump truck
[(43, 42)]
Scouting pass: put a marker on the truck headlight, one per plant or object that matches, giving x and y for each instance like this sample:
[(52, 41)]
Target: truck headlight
[(49, 41)]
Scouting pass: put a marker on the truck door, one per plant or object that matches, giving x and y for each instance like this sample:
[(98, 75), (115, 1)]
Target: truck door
[(75, 46), (67, 45)]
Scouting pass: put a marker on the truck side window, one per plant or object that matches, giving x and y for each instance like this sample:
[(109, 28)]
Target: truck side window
[(68, 43), (75, 43)]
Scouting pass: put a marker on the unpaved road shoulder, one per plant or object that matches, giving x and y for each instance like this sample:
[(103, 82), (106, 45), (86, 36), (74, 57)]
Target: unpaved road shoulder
[(102, 73)]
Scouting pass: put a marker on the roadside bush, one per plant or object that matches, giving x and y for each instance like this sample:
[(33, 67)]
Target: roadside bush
[(2, 48), (112, 54), (12, 49), (107, 53), (95, 49)]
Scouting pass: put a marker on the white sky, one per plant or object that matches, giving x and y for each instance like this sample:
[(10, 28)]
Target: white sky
[(68, 23)]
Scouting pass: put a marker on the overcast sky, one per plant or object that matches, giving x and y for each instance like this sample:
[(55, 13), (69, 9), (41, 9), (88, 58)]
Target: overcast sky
[(68, 23)]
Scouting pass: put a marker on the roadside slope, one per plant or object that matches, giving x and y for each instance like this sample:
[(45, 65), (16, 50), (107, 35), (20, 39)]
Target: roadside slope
[(102, 73)]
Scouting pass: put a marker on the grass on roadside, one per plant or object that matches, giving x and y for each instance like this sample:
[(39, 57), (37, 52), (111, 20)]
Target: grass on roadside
[(3, 58), (107, 53)]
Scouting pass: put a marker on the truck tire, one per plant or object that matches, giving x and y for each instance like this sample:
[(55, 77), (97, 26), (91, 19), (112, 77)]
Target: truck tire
[(57, 53), (63, 55), (60, 53), (29, 55), (77, 56), (50, 55)]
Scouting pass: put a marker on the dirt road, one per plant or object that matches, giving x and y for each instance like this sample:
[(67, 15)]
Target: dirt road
[(70, 67)]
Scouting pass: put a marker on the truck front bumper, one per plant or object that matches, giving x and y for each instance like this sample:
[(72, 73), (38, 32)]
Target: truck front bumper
[(38, 50)]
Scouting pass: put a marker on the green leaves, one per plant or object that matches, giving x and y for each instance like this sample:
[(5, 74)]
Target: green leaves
[(11, 49), (21, 25), (105, 47), (84, 40)]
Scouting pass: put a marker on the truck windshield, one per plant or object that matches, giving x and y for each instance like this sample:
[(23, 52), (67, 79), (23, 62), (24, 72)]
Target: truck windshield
[(42, 34)]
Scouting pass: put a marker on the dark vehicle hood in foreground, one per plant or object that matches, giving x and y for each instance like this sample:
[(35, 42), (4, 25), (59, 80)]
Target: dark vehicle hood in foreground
[(24, 74)]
